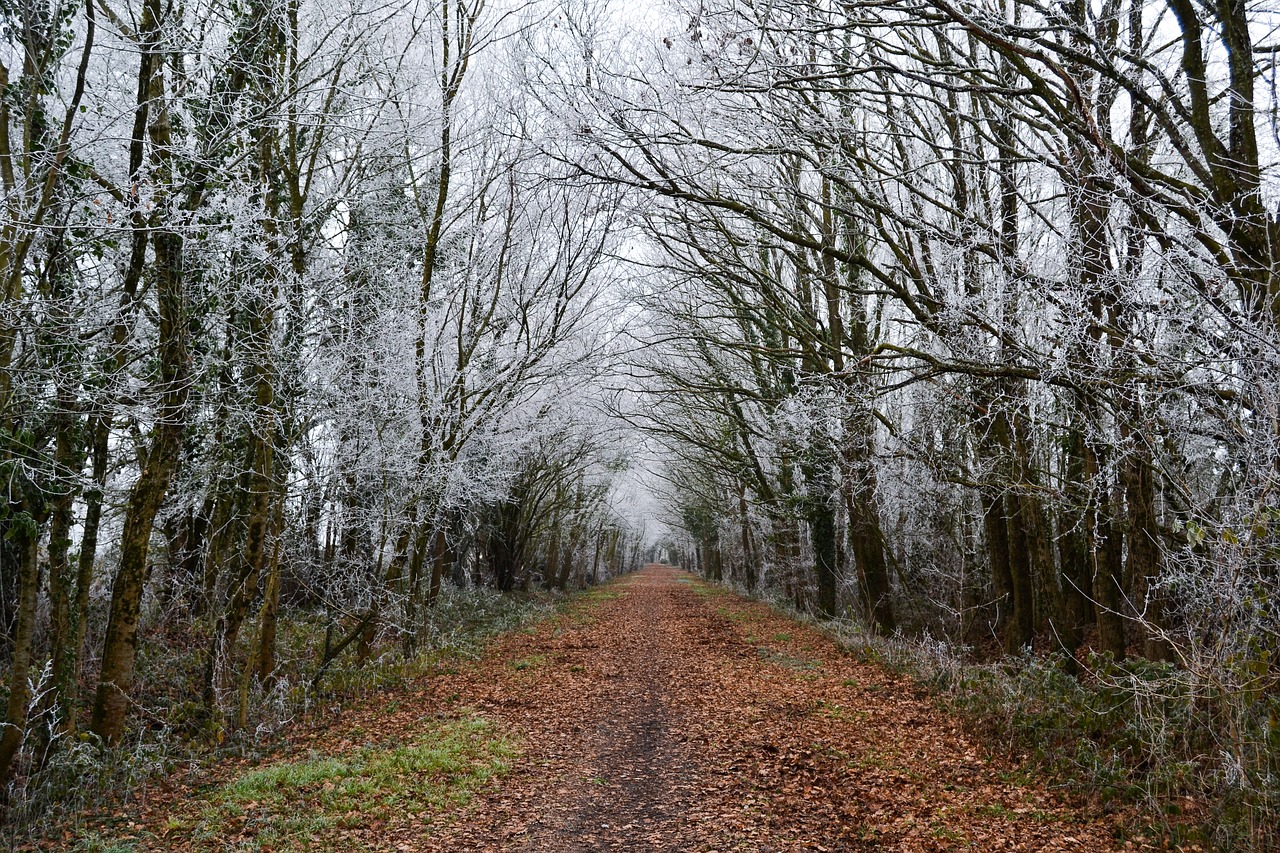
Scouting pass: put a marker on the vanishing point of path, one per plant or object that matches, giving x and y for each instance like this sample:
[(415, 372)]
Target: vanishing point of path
[(662, 714)]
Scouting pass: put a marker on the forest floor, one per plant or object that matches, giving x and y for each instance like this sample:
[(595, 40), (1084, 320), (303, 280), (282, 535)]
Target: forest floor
[(656, 713)]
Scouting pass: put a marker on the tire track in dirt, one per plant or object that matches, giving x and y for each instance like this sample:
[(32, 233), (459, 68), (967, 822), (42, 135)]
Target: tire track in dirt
[(640, 786), (605, 765)]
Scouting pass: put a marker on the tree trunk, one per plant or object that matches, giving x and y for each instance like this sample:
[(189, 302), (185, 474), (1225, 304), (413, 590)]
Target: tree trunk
[(750, 573), (565, 569), (873, 569), (595, 560), (413, 588), (1108, 583), (996, 528), (64, 618), (1021, 628), (99, 430), (1075, 541), (867, 541), (439, 560), (269, 615), (1145, 558), (23, 540), (822, 529), (552, 579), (148, 492), (120, 646), (187, 544)]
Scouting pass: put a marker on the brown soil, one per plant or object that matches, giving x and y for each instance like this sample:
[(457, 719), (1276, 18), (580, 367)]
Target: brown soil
[(680, 717), (661, 714)]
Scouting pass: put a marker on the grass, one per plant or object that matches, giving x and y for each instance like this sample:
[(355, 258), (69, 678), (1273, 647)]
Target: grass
[(96, 844), (832, 711), (789, 661), (292, 806), (580, 610), (1003, 812), (944, 832), (531, 662), (80, 782), (601, 594), (735, 615)]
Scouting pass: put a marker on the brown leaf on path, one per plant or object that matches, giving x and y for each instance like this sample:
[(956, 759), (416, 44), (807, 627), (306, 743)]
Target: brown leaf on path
[(661, 714), (681, 717)]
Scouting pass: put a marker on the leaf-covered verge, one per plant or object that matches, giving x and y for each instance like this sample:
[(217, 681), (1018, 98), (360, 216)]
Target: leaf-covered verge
[(312, 803), (76, 788), (302, 805), (1141, 739)]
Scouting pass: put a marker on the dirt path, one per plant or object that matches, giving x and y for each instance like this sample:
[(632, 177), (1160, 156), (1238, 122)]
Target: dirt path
[(679, 717), (657, 714), (608, 766)]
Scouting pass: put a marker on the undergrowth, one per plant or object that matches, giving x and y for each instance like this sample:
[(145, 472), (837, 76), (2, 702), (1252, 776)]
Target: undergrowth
[(63, 779), (1193, 750)]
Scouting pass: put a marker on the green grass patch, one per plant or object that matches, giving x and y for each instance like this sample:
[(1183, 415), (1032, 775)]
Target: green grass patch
[(946, 833), (93, 843), (832, 711), (531, 662), (293, 806), (790, 662), (1003, 812), (996, 810), (734, 615), (580, 609)]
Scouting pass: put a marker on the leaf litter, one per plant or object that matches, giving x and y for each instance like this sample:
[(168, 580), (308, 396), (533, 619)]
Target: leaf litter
[(662, 714)]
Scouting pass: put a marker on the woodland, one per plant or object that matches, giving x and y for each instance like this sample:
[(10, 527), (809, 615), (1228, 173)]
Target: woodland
[(328, 327)]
